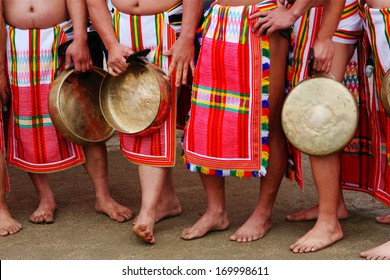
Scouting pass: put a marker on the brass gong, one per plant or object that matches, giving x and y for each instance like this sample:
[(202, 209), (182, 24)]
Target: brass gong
[(74, 107), (138, 101), (319, 116)]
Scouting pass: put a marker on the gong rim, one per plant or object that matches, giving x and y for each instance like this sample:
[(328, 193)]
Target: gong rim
[(326, 119), (58, 115)]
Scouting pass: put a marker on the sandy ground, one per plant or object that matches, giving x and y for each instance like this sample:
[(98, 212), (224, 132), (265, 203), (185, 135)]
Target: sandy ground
[(79, 232)]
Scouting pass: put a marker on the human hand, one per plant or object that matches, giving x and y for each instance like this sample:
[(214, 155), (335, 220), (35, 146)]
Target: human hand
[(78, 54), (116, 62), (182, 53), (270, 21), (323, 54)]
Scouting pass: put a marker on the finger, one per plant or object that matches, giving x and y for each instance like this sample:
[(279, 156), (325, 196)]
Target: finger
[(68, 61), (179, 74), (271, 30), (89, 65), (112, 72), (264, 29), (258, 14), (328, 68), (254, 15), (185, 75), (256, 26), (171, 69), (192, 65)]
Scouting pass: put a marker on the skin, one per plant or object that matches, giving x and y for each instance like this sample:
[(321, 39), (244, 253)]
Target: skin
[(8, 225), (159, 199), (327, 229), (45, 14), (215, 217)]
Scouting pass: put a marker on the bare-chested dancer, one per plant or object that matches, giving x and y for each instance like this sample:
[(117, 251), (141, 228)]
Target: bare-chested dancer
[(37, 28), (8, 225), (159, 199), (379, 23)]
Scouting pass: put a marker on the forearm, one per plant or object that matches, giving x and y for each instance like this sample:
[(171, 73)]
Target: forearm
[(192, 11), (302, 6), (78, 13), (331, 18), (101, 20)]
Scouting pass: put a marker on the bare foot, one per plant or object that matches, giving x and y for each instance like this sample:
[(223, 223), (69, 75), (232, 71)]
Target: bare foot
[(312, 214), (144, 232), (113, 209), (8, 225), (381, 252), (319, 237), (253, 229), (208, 222), (44, 214), (383, 219), (168, 210)]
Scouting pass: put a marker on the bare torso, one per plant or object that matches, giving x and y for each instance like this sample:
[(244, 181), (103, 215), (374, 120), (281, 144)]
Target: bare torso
[(29, 14), (144, 7), (378, 3)]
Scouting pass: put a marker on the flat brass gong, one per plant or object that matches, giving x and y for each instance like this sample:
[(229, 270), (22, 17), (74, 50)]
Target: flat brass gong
[(319, 116)]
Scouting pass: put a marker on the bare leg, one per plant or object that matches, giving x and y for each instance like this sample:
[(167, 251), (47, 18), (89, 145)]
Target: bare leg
[(215, 217), (381, 252), (153, 180), (96, 166), (326, 173), (47, 205), (383, 219), (259, 222), (311, 213), (327, 230), (168, 204), (8, 225)]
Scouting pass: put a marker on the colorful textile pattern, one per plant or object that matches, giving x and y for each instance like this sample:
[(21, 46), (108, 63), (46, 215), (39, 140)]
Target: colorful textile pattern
[(227, 132), (350, 27), (357, 158), (32, 60), (377, 26), (150, 32)]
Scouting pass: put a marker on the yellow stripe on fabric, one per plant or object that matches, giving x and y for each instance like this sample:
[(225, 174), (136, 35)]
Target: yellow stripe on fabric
[(135, 26), (116, 23), (34, 33), (350, 10), (13, 54), (159, 26), (55, 62), (30, 122)]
